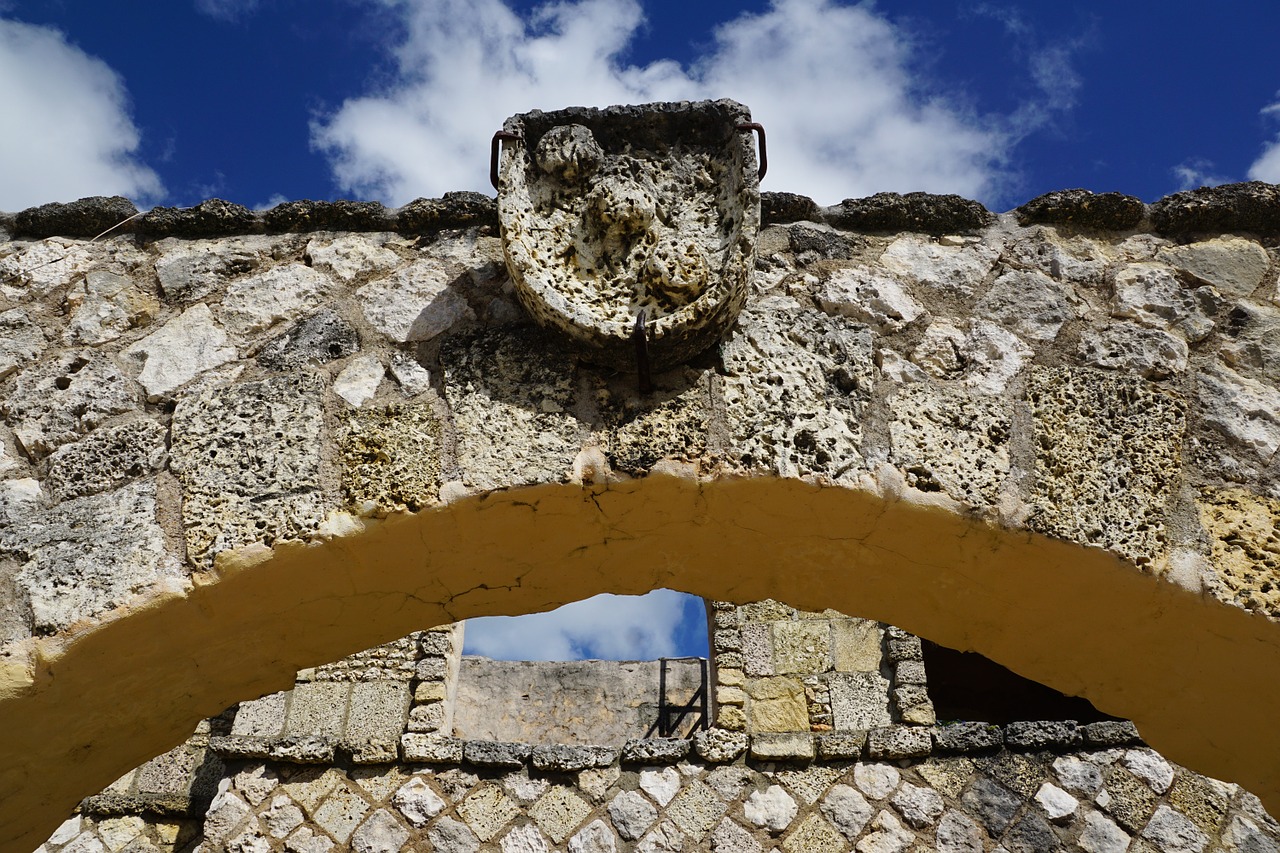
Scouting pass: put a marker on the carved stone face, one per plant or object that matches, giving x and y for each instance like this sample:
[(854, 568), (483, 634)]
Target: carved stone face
[(607, 213)]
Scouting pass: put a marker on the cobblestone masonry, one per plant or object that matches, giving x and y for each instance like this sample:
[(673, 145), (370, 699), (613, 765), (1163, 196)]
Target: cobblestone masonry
[(206, 380)]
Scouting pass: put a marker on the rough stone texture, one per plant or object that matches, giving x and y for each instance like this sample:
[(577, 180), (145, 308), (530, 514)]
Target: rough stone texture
[(317, 339), (803, 417), (665, 226), (415, 303), (967, 737), (454, 210), (340, 215), (1030, 304), (1130, 349), (104, 306), (106, 459), (859, 701), (391, 457), (87, 217), (21, 340), (719, 746), (56, 401), (898, 742), (1249, 207), (211, 218), (179, 351), (1084, 209), (249, 461), (513, 402), (1152, 295), (85, 556), (941, 268), (1042, 735), (950, 441), (1233, 266), (781, 207), (1105, 486), (930, 214)]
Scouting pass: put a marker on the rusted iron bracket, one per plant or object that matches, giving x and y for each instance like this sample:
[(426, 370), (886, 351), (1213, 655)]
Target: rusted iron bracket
[(494, 150), (764, 153)]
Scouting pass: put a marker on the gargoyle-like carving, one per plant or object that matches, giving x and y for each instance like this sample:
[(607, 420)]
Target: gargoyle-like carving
[(607, 213)]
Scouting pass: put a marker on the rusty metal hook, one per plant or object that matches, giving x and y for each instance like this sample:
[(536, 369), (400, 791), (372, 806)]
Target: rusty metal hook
[(764, 153), (639, 338), (494, 150)]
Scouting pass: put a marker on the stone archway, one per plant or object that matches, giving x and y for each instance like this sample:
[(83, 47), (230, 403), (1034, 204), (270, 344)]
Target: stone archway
[(1200, 679)]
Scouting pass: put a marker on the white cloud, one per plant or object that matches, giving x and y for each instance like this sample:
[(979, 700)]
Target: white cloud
[(69, 133), (1198, 172), (829, 81), (609, 627), (1267, 166)]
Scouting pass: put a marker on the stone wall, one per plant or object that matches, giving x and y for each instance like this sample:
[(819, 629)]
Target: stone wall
[(233, 446)]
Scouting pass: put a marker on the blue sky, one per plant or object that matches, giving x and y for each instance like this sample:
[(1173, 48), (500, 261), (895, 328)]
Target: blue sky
[(259, 101)]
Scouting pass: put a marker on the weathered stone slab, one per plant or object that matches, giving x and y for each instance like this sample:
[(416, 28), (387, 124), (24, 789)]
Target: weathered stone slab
[(179, 351), (106, 458), (60, 399), (249, 458), (859, 700), (391, 457)]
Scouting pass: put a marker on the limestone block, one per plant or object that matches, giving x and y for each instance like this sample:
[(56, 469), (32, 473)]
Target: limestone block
[(414, 379), (1133, 349), (1148, 766), (719, 746), (782, 746), (494, 754), (104, 306), (524, 839), (1171, 832), (1108, 452), (415, 303), (1243, 411), (352, 257), (920, 807), (945, 269), (513, 401), (958, 834), (1205, 801), (899, 742), (730, 836), (249, 458), (1251, 344), (317, 709), (658, 750), (1152, 295), (283, 817), (777, 705), (632, 814), (86, 555), (193, 269), (451, 836), (318, 338), (840, 746), (21, 340), (40, 267), (696, 809), (1232, 265), (566, 759), (802, 647), (1048, 734), (595, 837), (559, 812), (948, 776), (260, 301), (1101, 835), (796, 388), (859, 700), (847, 810), (771, 808), (978, 353), (418, 801), (105, 459), (1058, 805), (1071, 258), (1127, 799), (340, 814), (486, 810), (992, 804), (179, 351), (945, 439), (888, 835), (674, 428), (431, 748), (757, 648), (860, 294), (60, 399), (968, 737), (359, 380), (857, 645), (665, 838), (1030, 304)]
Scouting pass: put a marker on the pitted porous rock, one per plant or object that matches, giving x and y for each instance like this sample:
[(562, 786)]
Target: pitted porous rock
[(1129, 348), (920, 212), (391, 457), (341, 215), (106, 458), (1252, 207), (514, 402), (193, 269), (21, 340), (609, 213), (796, 409), (87, 555), (1108, 451), (318, 339), (57, 401), (1104, 211), (948, 440), (249, 460), (87, 217), (106, 305), (212, 218)]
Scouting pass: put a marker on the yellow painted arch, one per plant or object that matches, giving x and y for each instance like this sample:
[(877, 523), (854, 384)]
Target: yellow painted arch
[(1201, 679)]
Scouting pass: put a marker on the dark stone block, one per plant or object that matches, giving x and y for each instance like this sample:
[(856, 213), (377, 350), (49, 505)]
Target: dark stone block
[(968, 737), (991, 803), (1253, 207), (496, 754), (87, 217), (661, 750), (921, 212), (1104, 211), (455, 210), (305, 215), (319, 339), (780, 208), (823, 243), (1052, 734), (571, 758), (212, 218), (1112, 733), (1032, 834)]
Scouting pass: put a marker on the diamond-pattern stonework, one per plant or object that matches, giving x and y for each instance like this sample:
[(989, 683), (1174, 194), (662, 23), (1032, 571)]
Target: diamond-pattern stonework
[(559, 812)]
